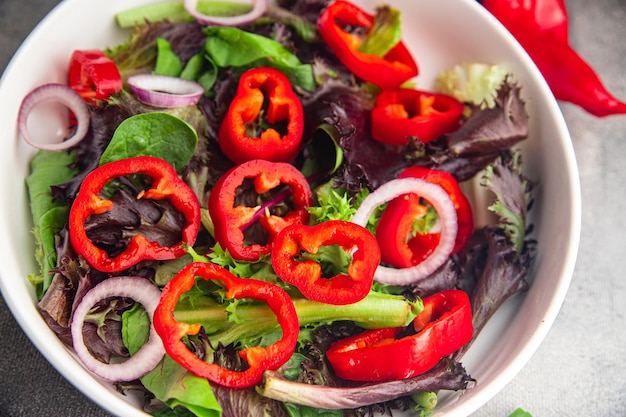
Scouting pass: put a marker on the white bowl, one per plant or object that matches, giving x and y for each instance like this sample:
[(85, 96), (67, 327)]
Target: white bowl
[(440, 34)]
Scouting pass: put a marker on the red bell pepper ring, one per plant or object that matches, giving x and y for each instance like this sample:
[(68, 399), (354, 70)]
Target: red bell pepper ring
[(230, 220), (403, 113), (166, 185), (263, 90), (442, 328), (342, 288), (93, 75), (398, 246), (387, 72), (258, 358)]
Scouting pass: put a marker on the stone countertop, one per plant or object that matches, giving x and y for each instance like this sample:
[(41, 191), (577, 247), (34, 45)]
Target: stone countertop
[(578, 370)]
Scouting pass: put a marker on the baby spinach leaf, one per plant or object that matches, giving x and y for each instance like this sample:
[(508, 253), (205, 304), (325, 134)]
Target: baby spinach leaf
[(153, 134)]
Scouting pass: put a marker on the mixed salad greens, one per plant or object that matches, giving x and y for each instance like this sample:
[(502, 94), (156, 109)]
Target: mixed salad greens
[(269, 290)]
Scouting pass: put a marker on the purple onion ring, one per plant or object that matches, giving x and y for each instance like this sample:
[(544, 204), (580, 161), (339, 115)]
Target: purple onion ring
[(59, 93), (145, 359), (258, 8), (165, 91), (444, 206)]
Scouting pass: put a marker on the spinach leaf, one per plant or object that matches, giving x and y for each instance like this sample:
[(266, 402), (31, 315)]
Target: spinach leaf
[(169, 382), (232, 47), (49, 215), (154, 134)]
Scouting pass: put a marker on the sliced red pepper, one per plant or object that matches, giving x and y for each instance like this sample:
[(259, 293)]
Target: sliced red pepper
[(93, 75), (230, 219), (403, 113), (258, 358), (165, 185), (340, 289), (541, 27), (401, 248), (442, 328), (263, 92), (386, 72)]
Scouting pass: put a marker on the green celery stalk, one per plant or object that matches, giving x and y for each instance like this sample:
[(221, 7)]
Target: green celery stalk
[(175, 12), (374, 311)]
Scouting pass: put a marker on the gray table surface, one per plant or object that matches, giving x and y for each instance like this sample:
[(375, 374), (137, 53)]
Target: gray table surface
[(577, 371)]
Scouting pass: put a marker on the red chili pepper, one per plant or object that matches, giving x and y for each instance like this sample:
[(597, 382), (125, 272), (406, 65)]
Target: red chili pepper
[(93, 75), (264, 91), (545, 17), (229, 219), (165, 185), (442, 328), (540, 26), (340, 289), (386, 72), (400, 114), (399, 246), (258, 358)]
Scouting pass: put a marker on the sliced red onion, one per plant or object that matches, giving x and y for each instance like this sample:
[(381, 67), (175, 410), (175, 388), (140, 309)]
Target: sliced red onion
[(145, 359), (446, 212), (165, 91), (258, 8), (54, 93)]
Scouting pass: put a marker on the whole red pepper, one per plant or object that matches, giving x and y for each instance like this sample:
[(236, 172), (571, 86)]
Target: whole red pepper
[(93, 75), (340, 289), (258, 358), (165, 185), (230, 219), (264, 91), (442, 328), (403, 113), (541, 27), (545, 17), (386, 72), (402, 248)]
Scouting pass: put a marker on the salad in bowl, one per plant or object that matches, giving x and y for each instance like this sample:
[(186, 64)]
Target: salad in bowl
[(305, 208)]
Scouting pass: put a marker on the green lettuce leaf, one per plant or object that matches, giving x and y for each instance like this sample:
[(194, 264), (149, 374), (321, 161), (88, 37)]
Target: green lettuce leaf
[(232, 47), (49, 215), (169, 382)]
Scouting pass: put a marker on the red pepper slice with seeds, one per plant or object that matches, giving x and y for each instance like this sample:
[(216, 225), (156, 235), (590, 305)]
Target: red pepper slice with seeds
[(262, 93), (258, 358), (403, 113), (93, 75), (230, 219), (402, 248), (386, 72), (442, 328), (306, 275), (166, 185)]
